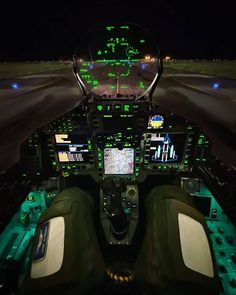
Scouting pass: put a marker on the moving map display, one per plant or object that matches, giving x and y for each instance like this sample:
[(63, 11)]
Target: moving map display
[(118, 161)]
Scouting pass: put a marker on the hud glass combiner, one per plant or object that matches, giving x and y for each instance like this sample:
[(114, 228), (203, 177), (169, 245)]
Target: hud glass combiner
[(117, 61)]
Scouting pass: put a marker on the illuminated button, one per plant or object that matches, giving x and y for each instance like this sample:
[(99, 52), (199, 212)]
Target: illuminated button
[(65, 174), (123, 199), (117, 107), (127, 107), (99, 107), (128, 203), (108, 107), (134, 206), (136, 107)]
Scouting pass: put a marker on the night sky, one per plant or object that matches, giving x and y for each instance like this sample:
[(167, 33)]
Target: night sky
[(184, 29)]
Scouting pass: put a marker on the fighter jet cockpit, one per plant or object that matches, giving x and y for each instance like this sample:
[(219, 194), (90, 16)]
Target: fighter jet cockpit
[(118, 196)]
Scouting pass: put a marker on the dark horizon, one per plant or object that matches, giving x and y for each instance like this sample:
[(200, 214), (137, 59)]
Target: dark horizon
[(196, 30)]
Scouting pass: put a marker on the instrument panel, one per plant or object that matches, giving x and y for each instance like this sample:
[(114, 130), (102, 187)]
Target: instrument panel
[(125, 139)]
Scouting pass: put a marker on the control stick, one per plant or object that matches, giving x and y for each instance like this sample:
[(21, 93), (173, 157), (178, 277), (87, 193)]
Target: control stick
[(113, 188)]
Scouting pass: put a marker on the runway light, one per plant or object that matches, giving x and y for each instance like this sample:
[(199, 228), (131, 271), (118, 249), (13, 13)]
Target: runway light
[(216, 85), (15, 86), (143, 66), (147, 57)]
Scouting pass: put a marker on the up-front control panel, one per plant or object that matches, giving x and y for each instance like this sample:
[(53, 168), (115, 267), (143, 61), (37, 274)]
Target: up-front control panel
[(112, 116)]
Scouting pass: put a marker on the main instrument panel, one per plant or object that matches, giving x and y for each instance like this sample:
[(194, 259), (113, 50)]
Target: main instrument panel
[(125, 139)]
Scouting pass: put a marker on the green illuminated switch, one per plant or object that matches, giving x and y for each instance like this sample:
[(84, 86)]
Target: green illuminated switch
[(127, 107), (99, 107), (136, 107), (108, 107), (117, 107)]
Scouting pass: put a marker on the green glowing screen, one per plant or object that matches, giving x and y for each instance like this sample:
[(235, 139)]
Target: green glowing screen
[(117, 61)]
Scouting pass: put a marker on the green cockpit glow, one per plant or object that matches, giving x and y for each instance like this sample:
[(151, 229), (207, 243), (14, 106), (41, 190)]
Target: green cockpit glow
[(117, 61)]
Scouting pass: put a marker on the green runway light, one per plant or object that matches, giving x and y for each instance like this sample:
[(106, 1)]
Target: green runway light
[(142, 41), (124, 27)]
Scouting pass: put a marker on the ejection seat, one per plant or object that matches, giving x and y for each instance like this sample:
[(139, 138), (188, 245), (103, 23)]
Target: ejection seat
[(176, 255)]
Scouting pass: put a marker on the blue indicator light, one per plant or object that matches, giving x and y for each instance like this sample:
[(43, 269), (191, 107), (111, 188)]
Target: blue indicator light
[(143, 66), (91, 66), (15, 86), (215, 85)]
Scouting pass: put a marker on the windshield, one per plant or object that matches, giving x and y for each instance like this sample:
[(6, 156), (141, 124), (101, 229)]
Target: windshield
[(117, 61)]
